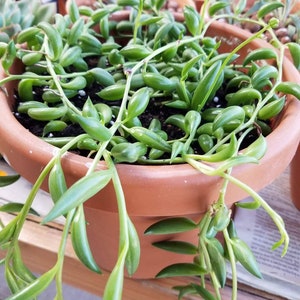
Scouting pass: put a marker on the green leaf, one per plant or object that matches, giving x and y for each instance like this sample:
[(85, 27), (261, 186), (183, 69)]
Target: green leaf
[(272, 109), (294, 49), (7, 180), (93, 127), (57, 182), (12, 281), (216, 7), (149, 138), (235, 161), (36, 287), (244, 255), (177, 148), (181, 269), (192, 120), (231, 229), (289, 87), (138, 102), (227, 115), (206, 295), (249, 204), (217, 262), (259, 54), (134, 251), (148, 19), (208, 85), (7, 232), (221, 218), (128, 152), (79, 192), (14, 207), (114, 286), (261, 75), (163, 31), (73, 11), (257, 149), (89, 110), (192, 19), (80, 241), (177, 247), (240, 7), (9, 56), (184, 290), (268, 7), (188, 66), (19, 267), (227, 152), (171, 225)]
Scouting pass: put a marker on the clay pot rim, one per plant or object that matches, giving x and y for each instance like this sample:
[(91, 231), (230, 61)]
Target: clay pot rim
[(287, 119)]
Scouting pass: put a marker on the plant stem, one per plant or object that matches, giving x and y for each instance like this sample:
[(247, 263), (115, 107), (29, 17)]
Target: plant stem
[(61, 253), (114, 286), (55, 78), (232, 264), (273, 214)]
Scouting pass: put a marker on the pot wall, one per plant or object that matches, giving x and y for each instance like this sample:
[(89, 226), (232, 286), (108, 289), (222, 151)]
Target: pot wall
[(153, 192), (152, 259), (295, 179)]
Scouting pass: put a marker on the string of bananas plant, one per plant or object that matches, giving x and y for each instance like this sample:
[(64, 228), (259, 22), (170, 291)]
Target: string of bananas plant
[(164, 63)]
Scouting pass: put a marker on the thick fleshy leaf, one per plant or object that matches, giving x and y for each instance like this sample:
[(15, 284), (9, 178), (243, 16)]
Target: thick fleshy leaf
[(19, 268), (80, 241), (210, 82), (138, 102), (181, 269), (36, 287), (7, 232), (231, 229), (244, 255), (203, 292), (134, 251), (79, 192), (7, 180), (184, 290), (171, 225), (114, 286), (249, 204), (217, 262), (221, 218), (16, 207), (294, 49), (177, 247), (235, 161), (56, 182), (257, 149)]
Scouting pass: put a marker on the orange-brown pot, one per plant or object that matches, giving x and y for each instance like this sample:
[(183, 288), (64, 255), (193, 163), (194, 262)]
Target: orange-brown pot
[(153, 192), (295, 179)]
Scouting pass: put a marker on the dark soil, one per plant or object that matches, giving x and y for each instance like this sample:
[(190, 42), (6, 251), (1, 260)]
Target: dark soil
[(155, 110)]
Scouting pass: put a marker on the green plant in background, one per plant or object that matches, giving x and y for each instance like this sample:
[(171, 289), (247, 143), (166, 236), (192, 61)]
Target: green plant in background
[(11, 207), (7, 179), (164, 64), (18, 15), (286, 32)]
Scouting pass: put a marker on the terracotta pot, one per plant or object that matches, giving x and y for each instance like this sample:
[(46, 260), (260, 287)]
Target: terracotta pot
[(295, 179), (153, 192)]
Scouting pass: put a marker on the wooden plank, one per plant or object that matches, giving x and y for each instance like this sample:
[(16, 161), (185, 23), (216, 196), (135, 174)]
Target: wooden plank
[(39, 246)]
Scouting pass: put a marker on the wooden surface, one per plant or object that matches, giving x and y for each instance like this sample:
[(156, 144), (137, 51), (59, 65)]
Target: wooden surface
[(40, 243)]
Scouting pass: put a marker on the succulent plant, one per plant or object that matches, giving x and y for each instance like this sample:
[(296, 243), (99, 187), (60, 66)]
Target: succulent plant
[(165, 63), (18, 15)]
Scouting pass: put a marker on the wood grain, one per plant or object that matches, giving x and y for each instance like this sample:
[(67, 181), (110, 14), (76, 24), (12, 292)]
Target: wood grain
[(39, 246)]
